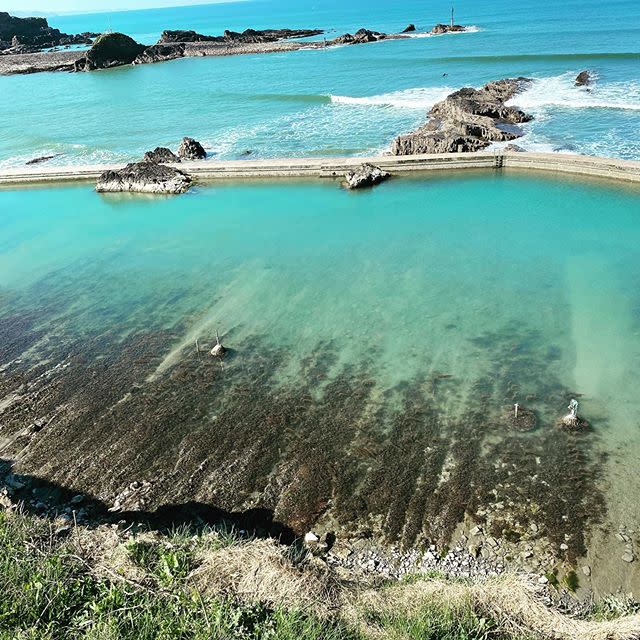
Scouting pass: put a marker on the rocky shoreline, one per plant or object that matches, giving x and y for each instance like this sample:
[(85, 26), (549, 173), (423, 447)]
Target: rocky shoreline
[(117, 49)]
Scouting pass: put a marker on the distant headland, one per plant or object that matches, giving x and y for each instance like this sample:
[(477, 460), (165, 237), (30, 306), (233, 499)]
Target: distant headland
[(30, 45)]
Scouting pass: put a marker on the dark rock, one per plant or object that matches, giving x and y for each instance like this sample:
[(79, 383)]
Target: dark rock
[(24, 35), (583, 79), (191, 149), (43, 159), (110, 50), (360, 37), (245, 37), (440, 29), (160, 155), (160, 53), (367, 175), (468, 120), (144, 177), (170, 36), (409, 28)]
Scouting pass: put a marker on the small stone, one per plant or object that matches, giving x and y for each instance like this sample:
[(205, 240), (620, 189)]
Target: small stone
[(628, 556), (543, 580), (311, 538), (564, 547), (476, 531), (620, 537), (77, 499), (586, 570)]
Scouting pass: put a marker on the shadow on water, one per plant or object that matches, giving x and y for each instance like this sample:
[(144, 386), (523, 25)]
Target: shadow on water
[(38, 496)]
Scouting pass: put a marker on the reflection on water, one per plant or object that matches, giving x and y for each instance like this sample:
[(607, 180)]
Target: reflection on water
[(379, 342)]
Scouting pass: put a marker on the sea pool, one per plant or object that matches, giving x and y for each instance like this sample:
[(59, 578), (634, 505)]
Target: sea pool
[(378, 341)]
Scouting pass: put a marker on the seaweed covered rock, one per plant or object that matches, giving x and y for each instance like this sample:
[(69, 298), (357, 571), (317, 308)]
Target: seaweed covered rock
[(144, 177), (110, 50), (468, 120), (191, 149), (519, 418), (161, 155), (367, 175)]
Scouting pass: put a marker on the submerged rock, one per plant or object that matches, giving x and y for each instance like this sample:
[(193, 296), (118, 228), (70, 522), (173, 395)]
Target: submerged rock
[(515, 147), (144, 177), (161, 155), (367, 175), (583, 79), (110, 50), (191, 149), (42, 159), (468, 120), (519, 418)]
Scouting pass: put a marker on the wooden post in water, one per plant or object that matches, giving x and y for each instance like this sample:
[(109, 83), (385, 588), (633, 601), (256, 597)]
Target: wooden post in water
[(452, 16)]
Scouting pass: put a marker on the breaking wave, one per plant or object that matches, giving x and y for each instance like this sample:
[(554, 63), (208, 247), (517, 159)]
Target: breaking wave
[(419, 98), (560, 91)]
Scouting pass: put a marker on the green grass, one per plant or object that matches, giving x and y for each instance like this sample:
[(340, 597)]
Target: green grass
[(49, 592), (437, 622)]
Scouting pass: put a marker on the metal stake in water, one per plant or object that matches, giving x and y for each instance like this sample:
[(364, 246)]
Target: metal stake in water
[(516, 406), (573, 409)]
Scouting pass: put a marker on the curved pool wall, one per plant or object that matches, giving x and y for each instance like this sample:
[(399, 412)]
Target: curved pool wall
[(611, 168), (378, 342)]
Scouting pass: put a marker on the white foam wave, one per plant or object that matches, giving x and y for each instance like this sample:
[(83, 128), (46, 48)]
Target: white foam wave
[(560, 91), (418, 98)]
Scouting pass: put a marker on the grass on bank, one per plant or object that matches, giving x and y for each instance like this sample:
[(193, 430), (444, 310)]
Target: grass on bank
[(110, 585)]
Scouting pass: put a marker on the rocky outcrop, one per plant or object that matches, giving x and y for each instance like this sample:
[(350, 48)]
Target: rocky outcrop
[(181, 35), (409, 28), (191, 149), (110, 50), (468, 120), (22, 35), (161, 155), (515, 148), (245, 37), (367, 175), (144, 177), (583, 79), (440, 29), (359, 37), (160, 53)]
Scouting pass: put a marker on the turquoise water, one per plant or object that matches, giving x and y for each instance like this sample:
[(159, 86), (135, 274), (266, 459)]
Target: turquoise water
[(349, 100), (474, 291)]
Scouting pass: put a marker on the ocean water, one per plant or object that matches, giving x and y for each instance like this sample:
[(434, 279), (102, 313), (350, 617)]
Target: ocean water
[(404, 320), (342, 101)]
